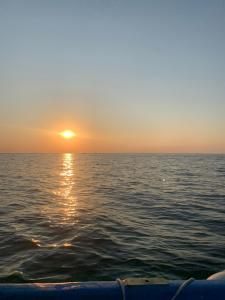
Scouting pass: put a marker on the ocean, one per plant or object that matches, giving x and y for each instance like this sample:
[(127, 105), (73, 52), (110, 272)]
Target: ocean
[(79, 217)]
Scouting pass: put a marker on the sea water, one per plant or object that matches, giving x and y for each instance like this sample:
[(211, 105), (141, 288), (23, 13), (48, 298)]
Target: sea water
[(71, 217)]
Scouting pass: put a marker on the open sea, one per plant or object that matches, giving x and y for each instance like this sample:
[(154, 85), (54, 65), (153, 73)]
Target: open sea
[(78, 217)]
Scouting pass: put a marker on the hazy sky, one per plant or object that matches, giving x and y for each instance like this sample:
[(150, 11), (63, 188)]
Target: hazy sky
[(126, 76)]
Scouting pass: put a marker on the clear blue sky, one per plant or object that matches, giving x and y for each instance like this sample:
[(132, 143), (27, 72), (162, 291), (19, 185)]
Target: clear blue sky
[(142, 76)]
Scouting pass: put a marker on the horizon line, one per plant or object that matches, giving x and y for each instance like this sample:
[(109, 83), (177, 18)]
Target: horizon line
[(165, 153)]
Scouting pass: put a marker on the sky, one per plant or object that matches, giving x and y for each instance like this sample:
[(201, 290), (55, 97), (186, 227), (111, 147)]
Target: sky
[(126, 76)]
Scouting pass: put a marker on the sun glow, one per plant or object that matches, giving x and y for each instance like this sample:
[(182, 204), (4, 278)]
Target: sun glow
[(67, 134)]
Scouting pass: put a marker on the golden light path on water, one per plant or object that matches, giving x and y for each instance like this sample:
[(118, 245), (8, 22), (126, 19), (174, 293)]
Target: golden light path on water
[(65, 204), (66, 190), (62, 209)]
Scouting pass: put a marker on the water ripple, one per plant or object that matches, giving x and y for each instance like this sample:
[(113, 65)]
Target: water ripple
[(67, 217)]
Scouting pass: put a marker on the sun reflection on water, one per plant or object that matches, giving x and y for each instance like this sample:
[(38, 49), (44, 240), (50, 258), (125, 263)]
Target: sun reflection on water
[(65, 191), (67, 176)]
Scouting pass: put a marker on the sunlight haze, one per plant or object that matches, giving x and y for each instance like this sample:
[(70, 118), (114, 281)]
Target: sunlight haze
[(126, 76)]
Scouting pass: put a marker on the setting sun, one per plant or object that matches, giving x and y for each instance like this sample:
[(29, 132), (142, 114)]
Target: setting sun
[(67, 134)]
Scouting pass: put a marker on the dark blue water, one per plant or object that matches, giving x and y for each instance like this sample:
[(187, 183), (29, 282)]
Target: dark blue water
[(66, 217)]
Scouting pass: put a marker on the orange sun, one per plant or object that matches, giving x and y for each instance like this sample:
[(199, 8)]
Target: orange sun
[(67, 134)]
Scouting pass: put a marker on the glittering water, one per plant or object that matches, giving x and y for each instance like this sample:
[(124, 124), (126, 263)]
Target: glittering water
[(67, 217)]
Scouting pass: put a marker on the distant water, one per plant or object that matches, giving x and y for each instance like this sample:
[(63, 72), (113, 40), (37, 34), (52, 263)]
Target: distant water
[(66, 217)]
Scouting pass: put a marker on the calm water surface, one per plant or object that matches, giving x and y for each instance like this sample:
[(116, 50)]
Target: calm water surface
[(68, 217)]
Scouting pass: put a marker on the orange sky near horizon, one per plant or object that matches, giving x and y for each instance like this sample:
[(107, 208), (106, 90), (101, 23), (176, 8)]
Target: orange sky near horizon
[(29, 140)]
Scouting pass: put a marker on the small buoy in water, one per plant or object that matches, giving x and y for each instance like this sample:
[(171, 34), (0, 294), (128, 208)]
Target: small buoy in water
[(164, 180)]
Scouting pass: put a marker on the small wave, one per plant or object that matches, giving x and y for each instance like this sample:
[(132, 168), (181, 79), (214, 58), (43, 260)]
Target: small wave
[(16, 243), (14, 277)]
